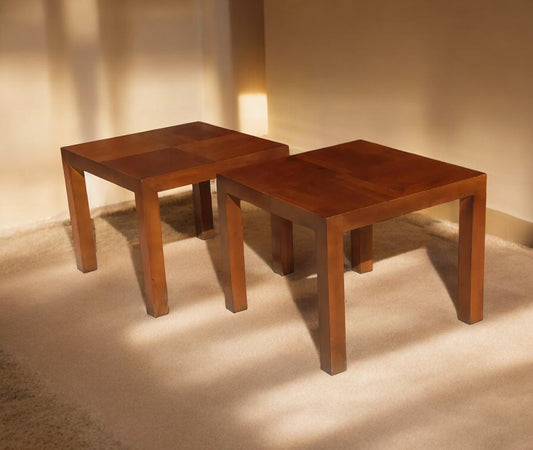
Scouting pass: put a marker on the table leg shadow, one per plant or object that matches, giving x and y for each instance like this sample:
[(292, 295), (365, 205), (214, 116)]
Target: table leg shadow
[(361, 249)]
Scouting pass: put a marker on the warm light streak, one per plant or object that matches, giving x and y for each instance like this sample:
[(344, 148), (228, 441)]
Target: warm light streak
[(253, 114)]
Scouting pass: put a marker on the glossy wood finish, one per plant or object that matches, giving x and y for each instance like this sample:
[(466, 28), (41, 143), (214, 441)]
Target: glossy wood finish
[(348, 187), (232, 242), (362, 249), (472, 212), (330, 277), (282, 246), (147, 163), (155, 286), (203, 210), (80, 217)]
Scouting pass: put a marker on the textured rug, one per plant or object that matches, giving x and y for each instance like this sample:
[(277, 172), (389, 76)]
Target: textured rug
[(83, 366), (32, 416)]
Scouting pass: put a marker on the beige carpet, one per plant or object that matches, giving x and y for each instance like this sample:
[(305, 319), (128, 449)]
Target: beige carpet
[(205, 378), (33, 416)]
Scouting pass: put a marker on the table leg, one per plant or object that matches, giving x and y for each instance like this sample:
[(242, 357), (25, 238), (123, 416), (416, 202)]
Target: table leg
[(203, 210), (149, 218), (80, 218), (231, 237), (331, 309), (471, 258), (362, 249), (282, 245)]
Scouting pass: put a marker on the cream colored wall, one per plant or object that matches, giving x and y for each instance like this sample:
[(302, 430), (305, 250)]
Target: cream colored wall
[(448, 79), (234, 84), (445, 79), (74, 71)]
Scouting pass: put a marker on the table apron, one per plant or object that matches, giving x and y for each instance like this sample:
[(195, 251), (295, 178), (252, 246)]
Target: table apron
[(411, 203), (228, 186), (101, 171), (360, 217)]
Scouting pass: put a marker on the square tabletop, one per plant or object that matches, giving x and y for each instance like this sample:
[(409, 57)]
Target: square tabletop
[(172, 156), (336, 180)]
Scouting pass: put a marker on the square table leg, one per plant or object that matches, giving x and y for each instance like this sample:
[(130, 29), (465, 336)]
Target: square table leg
[(232, 244), (149, 218), (362, 249), (471, 257), (331, 308), (282, 245), (203, 209), (80, 218)]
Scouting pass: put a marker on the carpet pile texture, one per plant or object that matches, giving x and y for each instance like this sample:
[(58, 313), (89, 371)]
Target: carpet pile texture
[(83, 366)]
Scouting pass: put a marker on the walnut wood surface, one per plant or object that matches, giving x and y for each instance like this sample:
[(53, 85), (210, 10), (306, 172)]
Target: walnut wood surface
[(282, 246), (147, 163), (362, 249), (349, 187)]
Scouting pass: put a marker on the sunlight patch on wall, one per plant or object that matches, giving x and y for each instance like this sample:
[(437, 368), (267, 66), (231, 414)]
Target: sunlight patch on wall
[(253, 113)]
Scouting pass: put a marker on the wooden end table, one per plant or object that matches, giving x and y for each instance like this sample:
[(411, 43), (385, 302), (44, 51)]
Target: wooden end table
[(348, 187), (147, 163)]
